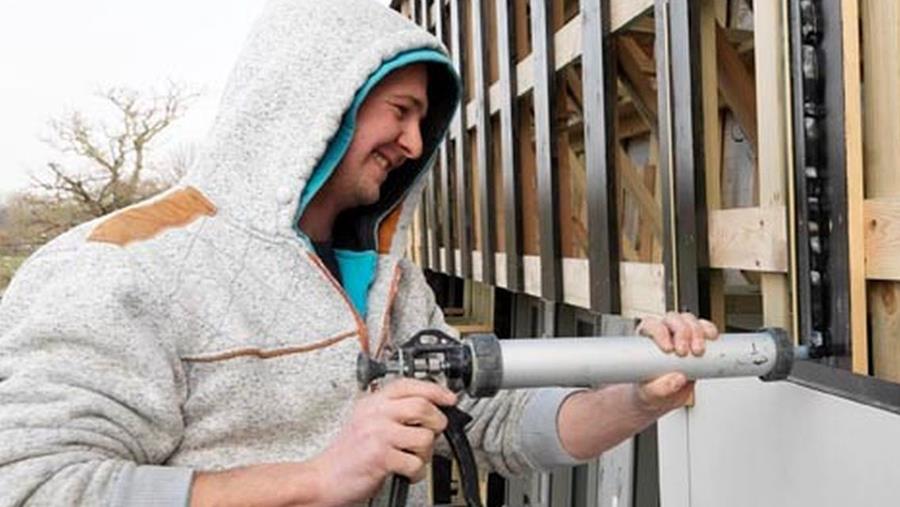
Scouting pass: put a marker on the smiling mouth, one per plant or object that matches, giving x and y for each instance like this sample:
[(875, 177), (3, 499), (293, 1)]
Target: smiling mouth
[(382, 161)]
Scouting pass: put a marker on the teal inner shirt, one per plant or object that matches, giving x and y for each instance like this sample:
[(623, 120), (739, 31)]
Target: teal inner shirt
[(357, 264)]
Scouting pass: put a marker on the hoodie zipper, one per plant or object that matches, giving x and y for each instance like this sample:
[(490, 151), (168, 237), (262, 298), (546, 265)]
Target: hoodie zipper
[(362, 329)]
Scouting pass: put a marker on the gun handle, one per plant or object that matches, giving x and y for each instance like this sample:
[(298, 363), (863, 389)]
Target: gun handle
[(399, 491), (462, 451)]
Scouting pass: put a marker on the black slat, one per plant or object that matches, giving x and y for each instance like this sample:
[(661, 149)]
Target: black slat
[(545, 133), (836, 160), (686, 130), (442, 168), (483, 136), (427, 235), (463, 196), (663, 86), (600, 96), (801, 235), (509, 139)]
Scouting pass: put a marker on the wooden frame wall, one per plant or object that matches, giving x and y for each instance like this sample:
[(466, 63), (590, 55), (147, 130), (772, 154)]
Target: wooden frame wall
[(744, 71)]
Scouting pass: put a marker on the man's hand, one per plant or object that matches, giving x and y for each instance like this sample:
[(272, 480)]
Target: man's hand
[(590, 422), (683, 334), (389, 432)]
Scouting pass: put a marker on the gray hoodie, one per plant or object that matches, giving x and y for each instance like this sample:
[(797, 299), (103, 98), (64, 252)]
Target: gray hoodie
[(198, 330)]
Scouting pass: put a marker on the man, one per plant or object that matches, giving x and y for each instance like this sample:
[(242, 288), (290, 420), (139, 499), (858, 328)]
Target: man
[(200, 346)]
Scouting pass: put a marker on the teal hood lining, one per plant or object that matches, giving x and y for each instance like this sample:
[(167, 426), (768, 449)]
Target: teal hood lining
[(355, 232), (339, 144)]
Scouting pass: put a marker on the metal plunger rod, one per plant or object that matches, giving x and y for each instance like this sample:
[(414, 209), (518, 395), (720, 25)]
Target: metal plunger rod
[(585, 362)]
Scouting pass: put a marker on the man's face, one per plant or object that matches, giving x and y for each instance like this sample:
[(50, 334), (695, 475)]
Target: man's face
[(387, 134)]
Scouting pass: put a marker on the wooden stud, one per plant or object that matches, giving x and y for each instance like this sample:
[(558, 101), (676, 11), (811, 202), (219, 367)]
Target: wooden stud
[(633, 183), (853, 135), (881, 128), (736, 84), (632, 59), (528, 177), (646, 233), (498, 191), (773, 150), (710, 57), (564, 161), (522, 30)]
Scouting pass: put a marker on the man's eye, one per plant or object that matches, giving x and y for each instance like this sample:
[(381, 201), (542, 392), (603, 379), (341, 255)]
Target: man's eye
[(400, 109)]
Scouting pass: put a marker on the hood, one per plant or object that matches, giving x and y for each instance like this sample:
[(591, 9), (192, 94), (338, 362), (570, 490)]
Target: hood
[(288, 113)]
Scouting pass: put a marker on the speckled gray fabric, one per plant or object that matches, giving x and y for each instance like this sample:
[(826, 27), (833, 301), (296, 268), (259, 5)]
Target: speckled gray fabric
[(222, 343)]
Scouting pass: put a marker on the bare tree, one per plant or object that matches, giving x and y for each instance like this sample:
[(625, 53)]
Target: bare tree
[(180, 159), (106, 166)]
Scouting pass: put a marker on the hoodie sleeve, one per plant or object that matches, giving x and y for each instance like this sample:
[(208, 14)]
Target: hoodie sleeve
[(90, 395)]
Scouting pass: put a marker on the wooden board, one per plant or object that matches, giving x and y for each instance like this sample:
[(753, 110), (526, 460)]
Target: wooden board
[(567, 48), (753, 239), (855, 185), (881, 130), (642, 287), (773, 107), (882, 218)]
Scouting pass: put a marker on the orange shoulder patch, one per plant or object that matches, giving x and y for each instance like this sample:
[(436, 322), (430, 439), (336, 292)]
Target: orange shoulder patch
[(146, 221), (388, 228)]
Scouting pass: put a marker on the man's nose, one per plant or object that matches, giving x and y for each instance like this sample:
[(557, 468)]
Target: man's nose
[(411, 140)]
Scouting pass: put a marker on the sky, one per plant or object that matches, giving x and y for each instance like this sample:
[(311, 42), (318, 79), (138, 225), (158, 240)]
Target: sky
[(55, 54)]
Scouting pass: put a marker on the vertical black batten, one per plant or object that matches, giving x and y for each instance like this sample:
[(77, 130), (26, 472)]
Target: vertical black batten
[(427, 235), (690, 185), (832, 50), (443, 168), (802, 262), (447, 226), (598, 62), (545, 133), (823, 278), (509, 139), (460, 128), (664, 97), (436, 224), (483, 135)]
